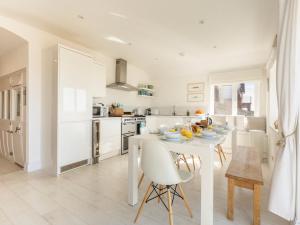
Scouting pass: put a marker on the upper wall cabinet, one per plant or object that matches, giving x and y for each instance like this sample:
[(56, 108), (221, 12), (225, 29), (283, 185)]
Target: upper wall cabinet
[(74, 81), (99, 78), (80, 79)]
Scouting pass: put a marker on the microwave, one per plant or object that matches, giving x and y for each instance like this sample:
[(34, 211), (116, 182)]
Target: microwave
[(100, 111)]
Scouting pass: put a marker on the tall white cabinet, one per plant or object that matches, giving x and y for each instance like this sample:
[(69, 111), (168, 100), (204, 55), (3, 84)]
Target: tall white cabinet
[(79, 79)]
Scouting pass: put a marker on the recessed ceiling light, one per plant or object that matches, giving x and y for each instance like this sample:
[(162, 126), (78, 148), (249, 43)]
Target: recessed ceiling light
[(80, 16), (214, 46), (201, 21), (117, 40), (117, 15), (181, 53)]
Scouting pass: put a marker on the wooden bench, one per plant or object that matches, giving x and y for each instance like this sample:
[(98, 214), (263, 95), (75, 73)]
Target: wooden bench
[(245, 171)]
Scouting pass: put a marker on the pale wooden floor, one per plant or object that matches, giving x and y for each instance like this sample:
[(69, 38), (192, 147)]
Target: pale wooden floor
[(98, 195), (7, 166)]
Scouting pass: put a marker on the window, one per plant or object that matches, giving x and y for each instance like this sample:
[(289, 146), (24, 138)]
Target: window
[(235, 98), (273, 104), (223, 99), (245, 99)]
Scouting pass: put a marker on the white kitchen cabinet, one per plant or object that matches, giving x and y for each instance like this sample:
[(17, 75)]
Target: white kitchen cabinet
[(79, 79), (110, 137), (151, 123), (76, 141), (154, 122)]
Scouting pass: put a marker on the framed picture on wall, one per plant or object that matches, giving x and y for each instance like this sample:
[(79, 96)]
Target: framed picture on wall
[(195, 87), (195, 97)]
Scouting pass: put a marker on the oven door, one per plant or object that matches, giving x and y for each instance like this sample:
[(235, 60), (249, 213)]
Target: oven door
[(129, 128), (125, 142)]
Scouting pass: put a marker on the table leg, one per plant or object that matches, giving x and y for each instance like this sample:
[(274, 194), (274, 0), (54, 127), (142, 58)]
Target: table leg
[(230, 199), (256, 204), (233, 141), (207, 188), (132, 173)]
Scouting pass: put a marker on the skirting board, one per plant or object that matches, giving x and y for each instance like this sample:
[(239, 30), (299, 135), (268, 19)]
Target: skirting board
[(109, 155), (30, 167), (296, 222)]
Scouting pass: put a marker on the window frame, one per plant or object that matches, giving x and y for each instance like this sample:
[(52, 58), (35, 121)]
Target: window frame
[(234, 105)]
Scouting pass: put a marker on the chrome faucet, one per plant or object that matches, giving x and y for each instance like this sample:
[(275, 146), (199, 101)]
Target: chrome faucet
[(174, 112)]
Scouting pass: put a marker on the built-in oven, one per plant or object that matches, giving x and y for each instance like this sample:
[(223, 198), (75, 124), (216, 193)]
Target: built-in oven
[(128, 130)]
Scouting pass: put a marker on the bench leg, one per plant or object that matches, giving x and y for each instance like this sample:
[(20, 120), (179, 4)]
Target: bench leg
[(230, 199), (256, 204)]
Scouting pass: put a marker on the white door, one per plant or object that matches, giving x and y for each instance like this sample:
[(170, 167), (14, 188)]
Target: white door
[(18, 124), (7, 126)]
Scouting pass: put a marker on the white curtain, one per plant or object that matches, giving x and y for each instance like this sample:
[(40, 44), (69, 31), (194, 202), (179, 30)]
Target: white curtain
[(283, 189)]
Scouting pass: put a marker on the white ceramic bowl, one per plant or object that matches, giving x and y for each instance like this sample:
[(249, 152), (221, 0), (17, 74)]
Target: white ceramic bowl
[(209, 133), (163, 129), (218, 129), (172, 135)]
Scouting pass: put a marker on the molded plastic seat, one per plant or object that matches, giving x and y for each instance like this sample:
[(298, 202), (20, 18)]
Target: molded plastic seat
[(185, 176), (159, 166)]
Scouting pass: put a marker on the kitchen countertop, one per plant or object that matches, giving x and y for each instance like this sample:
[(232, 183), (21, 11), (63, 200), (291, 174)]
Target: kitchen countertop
[(119, 117), (108, 118), (192, 116)]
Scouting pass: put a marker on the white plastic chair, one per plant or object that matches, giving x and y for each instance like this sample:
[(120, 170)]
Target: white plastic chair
[(158, 165)]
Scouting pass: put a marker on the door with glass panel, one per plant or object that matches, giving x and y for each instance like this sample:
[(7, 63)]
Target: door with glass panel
[(2, 131), (18, 124), (6, 132)]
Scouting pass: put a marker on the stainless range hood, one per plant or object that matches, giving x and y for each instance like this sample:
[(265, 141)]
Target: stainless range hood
[(121, 77)]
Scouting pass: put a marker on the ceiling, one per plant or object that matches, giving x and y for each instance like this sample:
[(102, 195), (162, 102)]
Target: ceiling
[(165, 38), (9, 41)]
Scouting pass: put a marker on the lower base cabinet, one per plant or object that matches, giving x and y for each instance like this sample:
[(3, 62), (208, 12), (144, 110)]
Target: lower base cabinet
[(110, 137)]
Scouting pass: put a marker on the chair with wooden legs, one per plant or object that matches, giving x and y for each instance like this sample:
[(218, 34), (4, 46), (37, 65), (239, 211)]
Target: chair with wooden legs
[(177, 158), (220, 152), (159, 167), (193, 159), (181, 157)]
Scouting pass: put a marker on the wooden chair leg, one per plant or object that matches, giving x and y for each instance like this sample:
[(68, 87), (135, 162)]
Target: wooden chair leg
[(185, 201), (170, 208), (220, 156), (222, 151), (230, 199), (186, 163), (141, 180), (193, 162), (256, 204), (143, 202), (159, 192)]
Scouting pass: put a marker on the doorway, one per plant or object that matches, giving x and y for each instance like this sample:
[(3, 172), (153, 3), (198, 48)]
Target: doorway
[(13, 67)]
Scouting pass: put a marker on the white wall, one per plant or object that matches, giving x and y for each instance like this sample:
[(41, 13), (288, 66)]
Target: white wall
[(14, 60), (134, 77), (39, 88), (171, 91)]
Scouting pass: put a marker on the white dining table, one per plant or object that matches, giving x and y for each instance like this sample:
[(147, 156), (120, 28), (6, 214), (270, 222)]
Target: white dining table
[(205, 148)]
